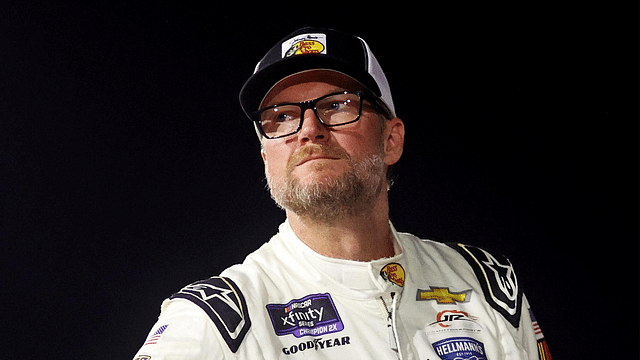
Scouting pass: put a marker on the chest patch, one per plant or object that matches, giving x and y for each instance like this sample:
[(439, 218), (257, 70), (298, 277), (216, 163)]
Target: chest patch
[(393, 273), (312, 315), (460, 348)]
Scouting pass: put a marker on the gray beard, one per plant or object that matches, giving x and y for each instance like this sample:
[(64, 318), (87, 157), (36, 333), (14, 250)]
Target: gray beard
[(351, 194)]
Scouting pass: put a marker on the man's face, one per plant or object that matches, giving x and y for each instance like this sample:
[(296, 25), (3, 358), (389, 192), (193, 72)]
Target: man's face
[(324, 172)]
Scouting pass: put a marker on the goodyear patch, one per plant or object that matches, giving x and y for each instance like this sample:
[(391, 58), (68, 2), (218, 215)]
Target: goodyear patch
[(460, 348), (312, 315), (305, 44)]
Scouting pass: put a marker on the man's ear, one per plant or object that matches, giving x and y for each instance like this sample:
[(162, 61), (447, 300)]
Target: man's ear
[(393, 141)]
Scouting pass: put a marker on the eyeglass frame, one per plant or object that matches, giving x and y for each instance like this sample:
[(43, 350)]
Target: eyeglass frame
[(311, 104)]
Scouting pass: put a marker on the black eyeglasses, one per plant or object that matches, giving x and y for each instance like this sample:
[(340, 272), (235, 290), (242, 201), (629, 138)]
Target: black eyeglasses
[(286, 119)]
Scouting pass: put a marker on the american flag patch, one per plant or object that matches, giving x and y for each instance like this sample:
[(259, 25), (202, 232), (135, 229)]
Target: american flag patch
[(153, 339), (543, 348), (536, 327)]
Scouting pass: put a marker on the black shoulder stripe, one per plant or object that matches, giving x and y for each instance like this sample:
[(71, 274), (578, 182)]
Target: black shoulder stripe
[(222, 300), (498, 280)]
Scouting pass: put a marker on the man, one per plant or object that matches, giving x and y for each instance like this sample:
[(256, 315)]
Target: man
[(338, 281)]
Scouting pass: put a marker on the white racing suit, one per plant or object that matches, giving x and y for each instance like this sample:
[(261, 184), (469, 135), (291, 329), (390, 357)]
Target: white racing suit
[(430, 301)]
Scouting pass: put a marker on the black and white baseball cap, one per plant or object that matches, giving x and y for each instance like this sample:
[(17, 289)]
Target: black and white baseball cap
[(316, 48)]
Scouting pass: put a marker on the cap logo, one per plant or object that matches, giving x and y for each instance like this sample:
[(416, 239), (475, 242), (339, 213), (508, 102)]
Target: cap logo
[(305, 44)]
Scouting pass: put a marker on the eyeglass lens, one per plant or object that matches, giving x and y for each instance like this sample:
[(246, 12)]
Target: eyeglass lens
[(332, 110)]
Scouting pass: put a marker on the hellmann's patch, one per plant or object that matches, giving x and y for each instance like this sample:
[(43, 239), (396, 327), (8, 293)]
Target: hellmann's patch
[(460, 348)]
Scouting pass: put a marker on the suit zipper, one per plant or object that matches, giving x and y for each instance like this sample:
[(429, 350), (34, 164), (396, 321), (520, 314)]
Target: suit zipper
[(391, 323)]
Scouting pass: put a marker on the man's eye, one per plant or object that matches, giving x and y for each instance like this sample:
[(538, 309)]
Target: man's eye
[(282, 117), (338, 105)]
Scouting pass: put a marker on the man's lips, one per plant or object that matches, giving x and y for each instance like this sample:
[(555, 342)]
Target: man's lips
[(316, 157), (315, 152)]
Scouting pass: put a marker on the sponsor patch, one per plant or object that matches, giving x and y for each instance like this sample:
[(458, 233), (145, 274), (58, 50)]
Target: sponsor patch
[(394, 273), (312, 315), (442, 295), (452, 322), (222, 300), (460, 348), (305, 44), (445, 318), (316, 344), (498, 280), (143, 357)]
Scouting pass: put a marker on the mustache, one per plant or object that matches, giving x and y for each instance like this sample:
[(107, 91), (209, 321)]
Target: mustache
[(315, 150)]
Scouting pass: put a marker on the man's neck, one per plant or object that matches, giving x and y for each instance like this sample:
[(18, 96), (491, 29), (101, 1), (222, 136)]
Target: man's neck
[(362, 237)]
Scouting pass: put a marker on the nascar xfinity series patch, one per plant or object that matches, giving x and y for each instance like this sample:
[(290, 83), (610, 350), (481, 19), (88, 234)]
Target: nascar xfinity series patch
[(312, 315)]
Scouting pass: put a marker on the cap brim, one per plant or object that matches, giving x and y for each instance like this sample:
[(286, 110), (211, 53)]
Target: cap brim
[(257, 86)]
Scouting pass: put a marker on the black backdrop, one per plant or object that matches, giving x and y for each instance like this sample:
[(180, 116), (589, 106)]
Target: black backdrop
[(128, 169)]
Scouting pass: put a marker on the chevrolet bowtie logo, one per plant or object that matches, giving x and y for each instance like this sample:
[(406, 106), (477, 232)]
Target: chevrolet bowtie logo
[(443, 295)]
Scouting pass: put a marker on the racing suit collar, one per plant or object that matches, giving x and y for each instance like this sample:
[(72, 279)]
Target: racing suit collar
[(355, 279)]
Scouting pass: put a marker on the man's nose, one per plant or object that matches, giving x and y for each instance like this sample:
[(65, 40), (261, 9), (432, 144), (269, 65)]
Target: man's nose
[(312, 129)]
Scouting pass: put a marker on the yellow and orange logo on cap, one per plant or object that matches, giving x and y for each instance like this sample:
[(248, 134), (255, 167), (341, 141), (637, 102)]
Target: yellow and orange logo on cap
[(304, 47)]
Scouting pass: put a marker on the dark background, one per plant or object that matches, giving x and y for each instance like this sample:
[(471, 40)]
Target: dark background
[(127, 169)]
